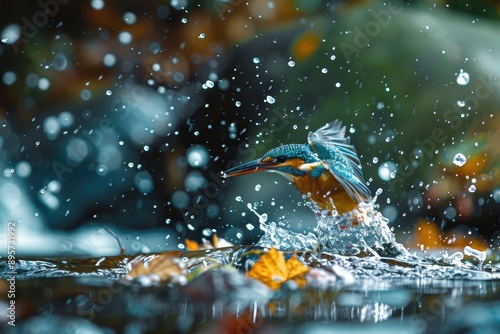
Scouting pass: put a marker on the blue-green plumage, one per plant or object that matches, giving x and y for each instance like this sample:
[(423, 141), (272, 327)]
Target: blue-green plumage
[(327, 168)]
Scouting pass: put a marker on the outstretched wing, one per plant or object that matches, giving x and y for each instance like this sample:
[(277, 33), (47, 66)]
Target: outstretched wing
[(333, 148)]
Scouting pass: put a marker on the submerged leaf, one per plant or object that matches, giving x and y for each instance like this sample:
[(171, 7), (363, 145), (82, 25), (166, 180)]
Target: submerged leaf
[(159, 268)]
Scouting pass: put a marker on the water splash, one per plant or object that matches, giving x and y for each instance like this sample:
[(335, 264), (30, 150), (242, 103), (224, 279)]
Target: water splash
[(362, 242), (262, 217), (282, 239), (480, 255), (459, 159), (362, 231)]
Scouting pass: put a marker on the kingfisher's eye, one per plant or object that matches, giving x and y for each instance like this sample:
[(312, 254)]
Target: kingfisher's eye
[(280, 159)]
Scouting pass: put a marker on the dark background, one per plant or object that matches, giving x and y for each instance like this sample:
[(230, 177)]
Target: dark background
[(101, 131)]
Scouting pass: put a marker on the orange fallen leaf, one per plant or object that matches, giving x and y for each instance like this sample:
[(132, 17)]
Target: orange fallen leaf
[(273, 270), (191, 244), (205, 244)]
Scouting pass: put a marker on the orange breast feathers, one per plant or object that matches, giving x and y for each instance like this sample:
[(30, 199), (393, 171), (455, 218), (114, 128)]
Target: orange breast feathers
[(324, 188)]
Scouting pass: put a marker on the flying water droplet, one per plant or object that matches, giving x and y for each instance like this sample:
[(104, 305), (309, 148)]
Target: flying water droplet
[(129, 18), (463, 78), (197, 156), (257, 187), (262, 217), (496, 195), (125, 37), (102, 170), (270, 99), (481, 256), (387, 171), (459, 159), (11, 33)]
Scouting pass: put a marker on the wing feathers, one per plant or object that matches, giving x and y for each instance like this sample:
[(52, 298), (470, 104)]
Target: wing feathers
[(340, 158)]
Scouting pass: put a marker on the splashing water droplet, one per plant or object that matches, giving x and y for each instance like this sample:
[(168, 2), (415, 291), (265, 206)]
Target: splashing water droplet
[(481, 256), (270, 99), (238, 198), (262, 217), (459, 159), (197, 156), (387, 171), (496, 195), (257, 187), (454, 258), (463, 78)]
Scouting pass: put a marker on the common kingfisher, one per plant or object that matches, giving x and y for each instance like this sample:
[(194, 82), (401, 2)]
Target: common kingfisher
[(327, 168)]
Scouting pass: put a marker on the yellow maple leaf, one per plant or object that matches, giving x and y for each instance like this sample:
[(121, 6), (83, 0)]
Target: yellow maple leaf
[(273, 270)]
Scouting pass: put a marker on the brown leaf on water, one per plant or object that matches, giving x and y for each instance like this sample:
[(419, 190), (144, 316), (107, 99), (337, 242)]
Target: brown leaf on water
[(273, 270), (158, 268)]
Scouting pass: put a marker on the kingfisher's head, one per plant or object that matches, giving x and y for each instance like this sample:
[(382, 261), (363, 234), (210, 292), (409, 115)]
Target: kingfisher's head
[(287, 160)]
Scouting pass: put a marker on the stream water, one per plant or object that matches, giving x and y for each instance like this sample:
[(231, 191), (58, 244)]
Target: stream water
[(360, 275)]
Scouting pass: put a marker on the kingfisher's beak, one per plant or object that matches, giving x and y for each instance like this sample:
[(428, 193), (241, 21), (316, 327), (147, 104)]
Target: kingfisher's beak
[(250, 167)]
